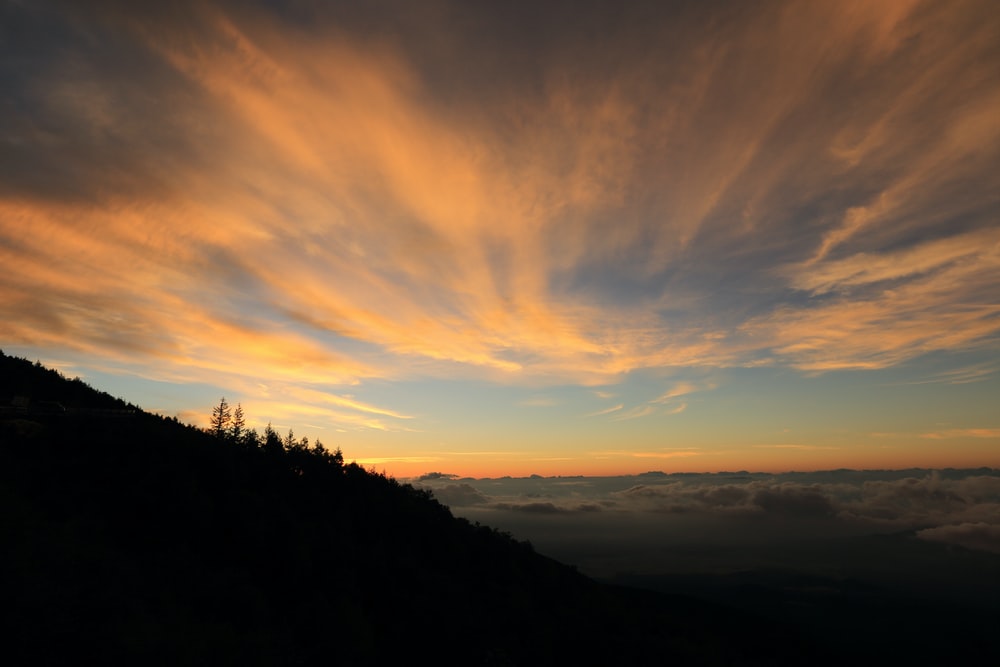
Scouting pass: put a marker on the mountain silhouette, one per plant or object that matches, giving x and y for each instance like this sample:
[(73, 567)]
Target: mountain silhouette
[(133, 538)]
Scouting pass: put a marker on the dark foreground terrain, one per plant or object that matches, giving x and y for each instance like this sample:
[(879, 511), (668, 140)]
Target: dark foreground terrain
[(128, 537)]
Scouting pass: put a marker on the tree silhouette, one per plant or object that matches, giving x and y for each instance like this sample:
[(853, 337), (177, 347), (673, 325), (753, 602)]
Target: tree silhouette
[(272, 441), (237, 431), (221, 416)]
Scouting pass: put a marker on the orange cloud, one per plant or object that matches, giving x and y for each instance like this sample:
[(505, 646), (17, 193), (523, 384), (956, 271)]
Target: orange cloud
[(606, 411), (938, 303), (964, 433), (333, 197)]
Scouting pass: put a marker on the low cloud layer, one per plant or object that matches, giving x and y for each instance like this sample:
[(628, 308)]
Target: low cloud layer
[(980, 535), (653, 519)]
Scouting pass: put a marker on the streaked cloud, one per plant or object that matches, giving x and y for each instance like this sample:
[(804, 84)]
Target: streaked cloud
[(373, 461), (637, 412), (794, 446), (961, 375), (297, 411), (683, 453), (230, 194), (656, 454), (963, 433), (680, 389), (606, 411), (539, 402)]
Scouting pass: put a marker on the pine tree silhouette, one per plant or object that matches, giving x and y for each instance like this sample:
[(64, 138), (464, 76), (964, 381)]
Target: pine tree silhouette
[(221, 417), (237, 429)]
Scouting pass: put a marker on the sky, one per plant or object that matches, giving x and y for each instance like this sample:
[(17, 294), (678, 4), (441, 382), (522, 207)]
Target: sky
[(506, 238)]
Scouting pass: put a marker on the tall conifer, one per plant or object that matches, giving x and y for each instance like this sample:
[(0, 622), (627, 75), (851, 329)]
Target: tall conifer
[(221, 416)]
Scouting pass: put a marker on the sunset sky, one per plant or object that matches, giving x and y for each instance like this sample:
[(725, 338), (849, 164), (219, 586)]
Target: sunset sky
[(504, 238)]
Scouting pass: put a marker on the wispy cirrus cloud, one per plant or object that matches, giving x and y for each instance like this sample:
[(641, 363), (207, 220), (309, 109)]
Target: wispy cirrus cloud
[(795, 446), (606, 411), (653, 454), (680, 453), (636, 412), (229, 192), (667, 403), (963, 433), (680, 389), (539, 402)]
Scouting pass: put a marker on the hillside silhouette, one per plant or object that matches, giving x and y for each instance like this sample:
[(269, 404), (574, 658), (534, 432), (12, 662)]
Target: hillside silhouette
[(130, 537)]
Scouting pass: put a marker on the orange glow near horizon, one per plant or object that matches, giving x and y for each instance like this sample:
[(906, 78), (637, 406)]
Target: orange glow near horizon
[(766, 459)]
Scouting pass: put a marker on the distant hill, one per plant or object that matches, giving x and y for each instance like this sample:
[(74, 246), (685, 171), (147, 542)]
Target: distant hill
[(128, 537)]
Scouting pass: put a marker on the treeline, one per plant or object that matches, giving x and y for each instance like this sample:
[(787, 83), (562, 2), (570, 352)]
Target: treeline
[(34, 383), (229, 425)]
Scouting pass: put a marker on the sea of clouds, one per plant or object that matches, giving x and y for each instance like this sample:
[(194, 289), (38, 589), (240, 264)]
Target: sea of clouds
[(716, 522)]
